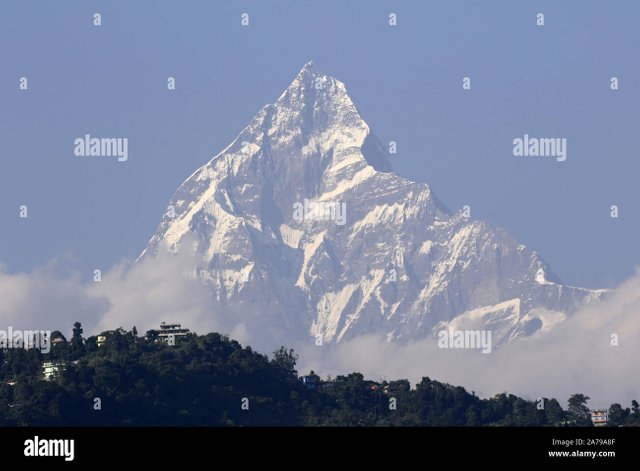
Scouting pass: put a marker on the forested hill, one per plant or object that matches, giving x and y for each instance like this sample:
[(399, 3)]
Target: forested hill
[(213, 380)]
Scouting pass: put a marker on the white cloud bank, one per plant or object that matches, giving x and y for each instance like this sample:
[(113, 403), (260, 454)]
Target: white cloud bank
[(576, 356)]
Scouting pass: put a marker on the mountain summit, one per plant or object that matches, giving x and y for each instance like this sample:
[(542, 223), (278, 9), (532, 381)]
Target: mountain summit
[(301, 229)]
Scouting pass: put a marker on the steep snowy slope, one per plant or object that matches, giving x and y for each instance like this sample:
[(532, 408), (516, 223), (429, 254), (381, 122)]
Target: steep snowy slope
[(301, 224)]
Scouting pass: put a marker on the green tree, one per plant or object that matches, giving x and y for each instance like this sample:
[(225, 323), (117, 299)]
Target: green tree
[(553, 412), (285, 359), (579, 411), (77, 343), (634, 417), (617, 415)]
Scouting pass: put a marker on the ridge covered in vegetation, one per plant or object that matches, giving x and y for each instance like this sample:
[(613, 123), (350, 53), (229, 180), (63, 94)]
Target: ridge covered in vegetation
[(212, 380)]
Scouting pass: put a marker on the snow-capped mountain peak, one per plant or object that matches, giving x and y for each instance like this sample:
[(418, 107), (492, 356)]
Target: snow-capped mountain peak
[(302, 220)]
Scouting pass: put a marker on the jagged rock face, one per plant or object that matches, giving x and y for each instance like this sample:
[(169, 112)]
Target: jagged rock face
[(302, 221)]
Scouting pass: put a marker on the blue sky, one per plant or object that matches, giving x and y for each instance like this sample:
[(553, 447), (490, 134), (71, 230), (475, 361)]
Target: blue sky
[(550, 81)]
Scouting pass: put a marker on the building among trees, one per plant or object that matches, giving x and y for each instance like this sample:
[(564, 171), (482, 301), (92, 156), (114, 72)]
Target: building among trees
[(599, 417)]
